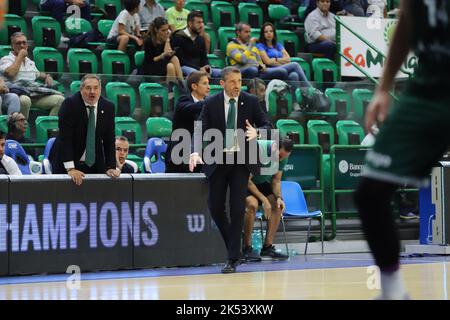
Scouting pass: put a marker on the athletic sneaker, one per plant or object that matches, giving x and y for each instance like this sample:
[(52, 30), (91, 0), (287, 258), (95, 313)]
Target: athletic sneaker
[(408, 215), (270, 253), (250, 255)]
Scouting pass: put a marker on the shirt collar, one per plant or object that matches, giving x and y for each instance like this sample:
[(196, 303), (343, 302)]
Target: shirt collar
[(194, 98), (227, 98), (87, 104)]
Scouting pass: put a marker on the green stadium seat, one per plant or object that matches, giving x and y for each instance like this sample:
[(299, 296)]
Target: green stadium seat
[(4, 126), (5, 50), (18, 7), (154, 99), (75, 86), (159, 127), (104, 26), (361, 99), (213, 38), (251, 13), (82, 61), (166, 4), (46, 127), (46, 31), (123, 96), (301, 12), (349, 132), (215, 61), (48, 60), (279, 11), (223, 14), (138, 160), (115, 62), (304, 64), (290, 41), (111, 7), (325, 70), (322, 133), (11, 24), (215, 88), (200, 6), (340, 101), (74, 26), (280, 106), (139, 58), (129, 128), (291, 129), (225, 36), (59, 86)]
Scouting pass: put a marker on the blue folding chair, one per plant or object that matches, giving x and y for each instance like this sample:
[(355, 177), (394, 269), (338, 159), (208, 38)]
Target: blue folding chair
[(46, 165), (14, 150), (156, 147), (296, 208)]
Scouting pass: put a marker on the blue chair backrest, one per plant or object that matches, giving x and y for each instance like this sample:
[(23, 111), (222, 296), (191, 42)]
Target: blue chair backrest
[(46, 165), (14, 150), (156, 147), (293, 197)]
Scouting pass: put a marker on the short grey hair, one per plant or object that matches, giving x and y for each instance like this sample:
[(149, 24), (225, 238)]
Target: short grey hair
[(227, 70), (240, 25), (90, 76), (17, 34), (122, 138)]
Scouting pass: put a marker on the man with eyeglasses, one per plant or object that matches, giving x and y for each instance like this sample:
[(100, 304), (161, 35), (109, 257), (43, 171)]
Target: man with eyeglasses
[(22, 71), (17, 126)]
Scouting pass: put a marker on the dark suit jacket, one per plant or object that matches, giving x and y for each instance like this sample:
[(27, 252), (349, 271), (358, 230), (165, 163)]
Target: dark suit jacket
[(213, 116), (186, 112), (70, 143)]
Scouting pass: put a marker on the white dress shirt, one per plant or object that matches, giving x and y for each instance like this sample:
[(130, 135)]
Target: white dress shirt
[(27, 71), (70, 164)]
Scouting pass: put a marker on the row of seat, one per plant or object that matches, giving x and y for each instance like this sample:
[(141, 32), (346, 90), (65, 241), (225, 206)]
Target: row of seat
[(47, 127)]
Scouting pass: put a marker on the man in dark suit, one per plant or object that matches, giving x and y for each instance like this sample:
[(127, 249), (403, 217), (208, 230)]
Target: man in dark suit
[(187, 111), (230, 111), (85, 142)]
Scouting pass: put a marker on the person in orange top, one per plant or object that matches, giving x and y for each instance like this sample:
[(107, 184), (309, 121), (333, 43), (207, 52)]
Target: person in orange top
[(3, 10)]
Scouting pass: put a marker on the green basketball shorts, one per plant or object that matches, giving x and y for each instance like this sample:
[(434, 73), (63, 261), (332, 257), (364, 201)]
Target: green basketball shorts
[(411, 140)]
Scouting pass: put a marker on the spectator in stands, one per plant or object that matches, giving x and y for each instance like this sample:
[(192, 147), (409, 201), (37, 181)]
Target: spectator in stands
[(320, 28), (177, 17), (9, 102), (187, 110), (265, 190), (190, 47), (160, 59), (336, 7), (273, 54), (126, 27), (59, 8), (17, 126), (22, 71), (355, 7), (257, 87), (244, 54), (377, 8), (122, 149), (7, 164), (149, 10), (85, 142)]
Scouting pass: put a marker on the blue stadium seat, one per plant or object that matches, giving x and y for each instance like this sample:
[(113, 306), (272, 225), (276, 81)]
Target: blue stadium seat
[(46, 165), (154, 158)]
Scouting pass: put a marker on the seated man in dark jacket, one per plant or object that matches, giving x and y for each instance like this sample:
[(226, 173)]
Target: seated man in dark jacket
[(122, 149), (190, 47), (187, 111)]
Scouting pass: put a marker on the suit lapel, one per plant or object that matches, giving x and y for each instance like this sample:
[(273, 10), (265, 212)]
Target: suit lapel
[(221, 111), (241, 112)]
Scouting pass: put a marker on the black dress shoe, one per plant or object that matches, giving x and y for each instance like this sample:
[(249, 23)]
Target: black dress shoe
[(230, 266)]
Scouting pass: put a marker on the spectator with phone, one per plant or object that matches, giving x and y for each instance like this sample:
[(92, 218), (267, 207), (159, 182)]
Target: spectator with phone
[(190, 47), (160, 58)]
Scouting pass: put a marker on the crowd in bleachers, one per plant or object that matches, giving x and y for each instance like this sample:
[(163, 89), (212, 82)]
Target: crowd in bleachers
[(166, 40)]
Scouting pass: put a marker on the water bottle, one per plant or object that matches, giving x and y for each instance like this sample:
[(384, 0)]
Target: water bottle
[(256, 240)]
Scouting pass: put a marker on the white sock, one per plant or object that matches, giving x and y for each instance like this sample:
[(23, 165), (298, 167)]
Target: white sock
[(392, 286)]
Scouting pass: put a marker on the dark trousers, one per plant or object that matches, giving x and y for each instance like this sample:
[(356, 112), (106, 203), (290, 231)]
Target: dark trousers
[(234, 177), (58, 9), (373, 199), (327, 48)]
